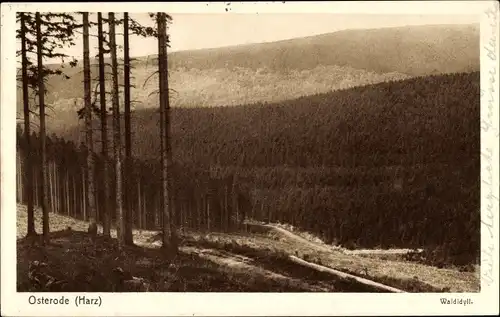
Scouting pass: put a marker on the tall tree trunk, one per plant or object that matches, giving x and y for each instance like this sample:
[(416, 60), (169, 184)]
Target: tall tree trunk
[(227, 215), (58, 188), (169, 230), (50, 185), (144, 209), (116, 134), (88, 125), (164, 184), (84, 194), (55, 208), (128, 134), (36, 194), (208, 213), (28, 180), (52, 173), (139, 212), (106, 226), (75, 198), (198, 213), (19, 181), (43, 150), (68, 206)]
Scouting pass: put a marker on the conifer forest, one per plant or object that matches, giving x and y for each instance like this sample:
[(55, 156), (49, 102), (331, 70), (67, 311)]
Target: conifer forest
[(162, 172)]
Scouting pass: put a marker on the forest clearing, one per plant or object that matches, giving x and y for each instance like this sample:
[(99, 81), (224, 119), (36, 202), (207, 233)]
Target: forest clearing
[(253, 259)]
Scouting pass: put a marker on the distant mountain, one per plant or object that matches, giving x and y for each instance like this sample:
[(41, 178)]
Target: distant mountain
[(411, 50), (277, 71)]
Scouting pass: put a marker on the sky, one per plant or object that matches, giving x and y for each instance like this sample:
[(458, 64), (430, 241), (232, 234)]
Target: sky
[(210, 30)]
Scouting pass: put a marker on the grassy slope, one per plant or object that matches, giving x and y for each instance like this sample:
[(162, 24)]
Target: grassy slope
[(255, 260)]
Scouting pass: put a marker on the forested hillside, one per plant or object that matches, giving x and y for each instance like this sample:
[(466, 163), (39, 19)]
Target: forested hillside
[(193, 188), (404, 122), (393, 164), (135, 174)]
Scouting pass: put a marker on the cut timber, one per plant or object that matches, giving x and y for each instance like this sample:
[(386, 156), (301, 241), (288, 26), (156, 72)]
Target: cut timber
[(346, 275)]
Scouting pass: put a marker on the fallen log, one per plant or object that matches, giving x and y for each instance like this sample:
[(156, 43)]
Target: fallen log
[(346, 275)]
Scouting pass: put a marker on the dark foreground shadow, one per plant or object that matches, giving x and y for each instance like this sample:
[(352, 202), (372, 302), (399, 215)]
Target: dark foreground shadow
[(73, 262)]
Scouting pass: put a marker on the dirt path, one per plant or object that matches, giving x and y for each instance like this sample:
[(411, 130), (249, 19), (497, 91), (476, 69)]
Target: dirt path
[(363, 266), (327, 248), (292, 236), (323, 248)]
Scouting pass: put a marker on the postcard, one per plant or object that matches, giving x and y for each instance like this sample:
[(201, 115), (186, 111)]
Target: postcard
[(249, 158)]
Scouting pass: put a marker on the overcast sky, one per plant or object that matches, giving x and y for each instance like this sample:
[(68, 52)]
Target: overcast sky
[(196, 31)]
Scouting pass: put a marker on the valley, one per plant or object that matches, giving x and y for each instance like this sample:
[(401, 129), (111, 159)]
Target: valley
[(355, 151)]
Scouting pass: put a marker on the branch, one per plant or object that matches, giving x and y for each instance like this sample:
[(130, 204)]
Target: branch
[(157, 91), (147, 79)]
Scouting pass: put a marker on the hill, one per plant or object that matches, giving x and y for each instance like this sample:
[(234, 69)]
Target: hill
[(403, 122), (403, 156), (278, 71), (411, 50)]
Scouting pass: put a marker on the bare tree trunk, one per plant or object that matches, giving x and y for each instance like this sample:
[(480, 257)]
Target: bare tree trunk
[(75, 202), (106, 226), (88, 127), (208, 213), (169, 229), (43, 154), (28, 180), (139, 211), (67, 194), (234, 202), (128, 134), (19, 181), (226, 208), (56, 193), (164, 180), (84, 194), (55, 209), (144, 209), (50, 174), (157, 203), (117, 151), (199, 213), (49, 185), (36, 194), (56, 188)]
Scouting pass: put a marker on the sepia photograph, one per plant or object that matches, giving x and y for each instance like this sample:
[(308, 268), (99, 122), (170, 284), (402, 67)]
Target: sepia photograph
[(224, 151)]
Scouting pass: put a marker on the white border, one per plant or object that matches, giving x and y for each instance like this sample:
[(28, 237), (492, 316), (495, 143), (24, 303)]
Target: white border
[(258, 304)]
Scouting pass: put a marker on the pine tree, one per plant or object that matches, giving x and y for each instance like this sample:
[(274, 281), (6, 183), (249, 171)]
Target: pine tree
[(105, 207), (43, 153), (117, 151), (169, 230), (88, 126), (41, 35), (128, 137), (28, 175)]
